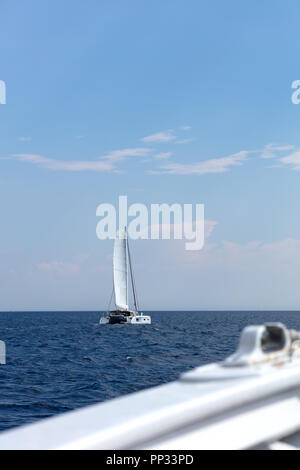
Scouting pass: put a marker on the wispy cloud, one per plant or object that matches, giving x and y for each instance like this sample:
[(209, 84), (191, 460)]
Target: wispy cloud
[(223, 164), (59, 267), (270, 150), (285, 252), (25, 139), (163, 155), (185, 141), (215, 165), (109, 161), (164, 136), (117, 155), (52, 164), (293, 160), (106, 163), (185, 128)]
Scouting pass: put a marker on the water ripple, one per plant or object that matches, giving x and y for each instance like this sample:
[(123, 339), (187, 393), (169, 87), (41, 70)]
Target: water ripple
[(64, 360)]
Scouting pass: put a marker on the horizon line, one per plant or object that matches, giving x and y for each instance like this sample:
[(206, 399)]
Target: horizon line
[(153, 311)]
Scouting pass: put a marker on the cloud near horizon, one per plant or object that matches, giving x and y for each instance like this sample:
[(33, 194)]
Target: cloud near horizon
[(239, 256), (59, 267)]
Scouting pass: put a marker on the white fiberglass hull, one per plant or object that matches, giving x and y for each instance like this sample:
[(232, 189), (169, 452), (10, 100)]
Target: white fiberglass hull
[(128, 319), (141, 320)]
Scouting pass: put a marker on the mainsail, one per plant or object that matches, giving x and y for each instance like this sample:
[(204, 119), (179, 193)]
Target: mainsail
[(120, 271)]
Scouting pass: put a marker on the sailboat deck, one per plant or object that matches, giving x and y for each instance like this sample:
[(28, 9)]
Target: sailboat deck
[(126, 313)]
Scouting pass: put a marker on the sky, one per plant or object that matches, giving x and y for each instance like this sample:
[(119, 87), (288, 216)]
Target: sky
[(165, 101)]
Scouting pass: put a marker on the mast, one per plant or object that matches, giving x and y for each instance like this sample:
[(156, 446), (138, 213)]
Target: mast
[(126, 250)]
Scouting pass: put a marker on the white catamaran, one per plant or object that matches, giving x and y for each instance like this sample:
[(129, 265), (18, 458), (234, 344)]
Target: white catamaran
[(122, 312)]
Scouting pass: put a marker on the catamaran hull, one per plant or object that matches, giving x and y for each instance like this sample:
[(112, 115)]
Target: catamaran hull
[(119, 319), (141, 320)]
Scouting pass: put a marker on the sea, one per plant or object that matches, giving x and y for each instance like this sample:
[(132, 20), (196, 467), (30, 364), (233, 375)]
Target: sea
[(60, 361)]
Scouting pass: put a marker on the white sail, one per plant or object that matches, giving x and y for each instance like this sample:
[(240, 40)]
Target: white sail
[(120, 271)]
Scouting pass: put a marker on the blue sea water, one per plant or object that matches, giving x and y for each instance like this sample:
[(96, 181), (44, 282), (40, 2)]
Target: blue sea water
[(59, 361)]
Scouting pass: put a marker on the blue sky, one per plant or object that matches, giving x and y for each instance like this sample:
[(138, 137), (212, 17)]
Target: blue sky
[(164, 101)]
